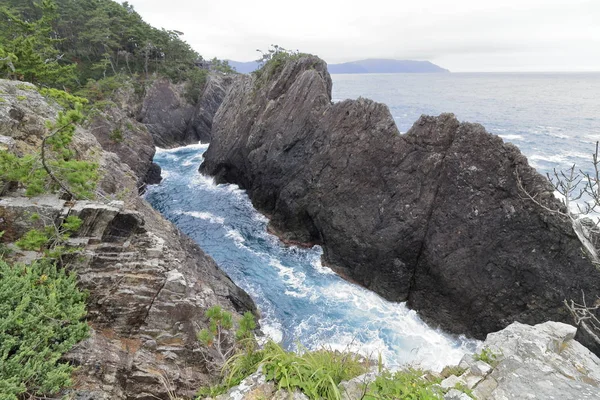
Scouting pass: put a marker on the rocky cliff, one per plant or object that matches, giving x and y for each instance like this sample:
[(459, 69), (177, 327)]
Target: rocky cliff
[(434, 217), (174, 121), (149, 285)]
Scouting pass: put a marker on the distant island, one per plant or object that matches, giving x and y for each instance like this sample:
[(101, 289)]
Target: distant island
[(370, 66)]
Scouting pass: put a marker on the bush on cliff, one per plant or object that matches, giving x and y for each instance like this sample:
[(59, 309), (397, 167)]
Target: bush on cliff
[(41, 312)]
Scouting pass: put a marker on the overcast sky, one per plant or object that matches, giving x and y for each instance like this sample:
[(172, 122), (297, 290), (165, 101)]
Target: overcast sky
[(461, 35)]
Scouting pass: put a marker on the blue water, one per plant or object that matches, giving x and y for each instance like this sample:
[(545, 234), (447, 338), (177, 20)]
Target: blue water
[(553, 118)]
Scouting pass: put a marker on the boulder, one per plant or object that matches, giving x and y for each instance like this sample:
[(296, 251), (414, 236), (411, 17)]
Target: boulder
[(435, 217), (539, 362)]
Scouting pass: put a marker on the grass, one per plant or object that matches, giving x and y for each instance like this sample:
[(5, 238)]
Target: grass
[(316, 373), (410, 384)]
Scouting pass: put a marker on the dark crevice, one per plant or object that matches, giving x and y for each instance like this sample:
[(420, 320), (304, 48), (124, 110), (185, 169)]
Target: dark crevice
[(428, 219)]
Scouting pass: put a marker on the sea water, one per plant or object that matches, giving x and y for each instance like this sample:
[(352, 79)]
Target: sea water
[(553, 118)]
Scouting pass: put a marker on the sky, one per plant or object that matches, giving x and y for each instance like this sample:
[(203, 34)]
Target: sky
[(460, 35)]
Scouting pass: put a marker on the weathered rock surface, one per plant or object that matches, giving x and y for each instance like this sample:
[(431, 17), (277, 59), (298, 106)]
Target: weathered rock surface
[(434, 216), (529, 362), (256, 387), (149, 284), (173, 121), (537, 362), (130, 140)]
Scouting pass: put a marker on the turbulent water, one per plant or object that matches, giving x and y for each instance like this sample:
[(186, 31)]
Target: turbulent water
[(553, 118)]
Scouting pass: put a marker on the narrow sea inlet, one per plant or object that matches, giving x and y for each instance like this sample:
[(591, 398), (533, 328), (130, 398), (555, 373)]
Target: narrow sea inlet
[(301, 302)]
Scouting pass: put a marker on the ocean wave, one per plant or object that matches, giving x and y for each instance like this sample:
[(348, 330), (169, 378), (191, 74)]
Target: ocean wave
[(293, 279), (511, 137), (196, 146), (236, 236), (206, 216)]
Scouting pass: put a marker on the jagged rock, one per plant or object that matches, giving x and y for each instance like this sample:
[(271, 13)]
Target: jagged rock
[(144, 325), (455, 394), (434, 216), (173, 121), (542, 362), (130, 140), (451, 382), (354, 389), (538, 362), (153, 175)]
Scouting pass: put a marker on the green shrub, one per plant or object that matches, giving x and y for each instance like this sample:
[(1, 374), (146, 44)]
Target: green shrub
[(116, 135), (195, 82), (316, 373), (41, 312), (63, 98), (487, 356), (80, 177), (406, 384)]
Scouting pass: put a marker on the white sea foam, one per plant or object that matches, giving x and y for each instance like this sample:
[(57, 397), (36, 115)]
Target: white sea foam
[(419, 343), (293, 279), (316, 263), (272, 329), (206, 216), (511, 137), (199, 146), (236, 236)]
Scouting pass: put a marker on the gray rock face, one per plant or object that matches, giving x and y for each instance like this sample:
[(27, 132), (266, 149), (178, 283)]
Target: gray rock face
[(540, 362), (149, 285), (173, 121), (434, 216), (130, 140)]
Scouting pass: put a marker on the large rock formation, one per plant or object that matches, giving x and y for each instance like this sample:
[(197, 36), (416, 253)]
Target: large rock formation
[(149, 284), (174, 121), (434, 217)]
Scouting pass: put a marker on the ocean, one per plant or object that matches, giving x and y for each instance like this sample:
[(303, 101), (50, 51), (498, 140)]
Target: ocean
[(553, 118)]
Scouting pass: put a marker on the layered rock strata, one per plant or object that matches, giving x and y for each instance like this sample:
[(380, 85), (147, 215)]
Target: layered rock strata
[(149, 285)]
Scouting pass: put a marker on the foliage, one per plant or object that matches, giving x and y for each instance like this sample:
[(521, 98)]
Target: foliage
[(405, 384), (316, 373), (51, 239), (66, 100), (273, 60), (237, 368), (216, 337), (41, 312), (30, 46), (196, 80), (86, 39), (221, 66), (487, 356), (452, 370), (56, 167)]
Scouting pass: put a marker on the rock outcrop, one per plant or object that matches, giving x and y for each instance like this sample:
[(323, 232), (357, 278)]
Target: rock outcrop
[(149, 284), (534, 362), (523, 362), (173, 121), (434, 217)]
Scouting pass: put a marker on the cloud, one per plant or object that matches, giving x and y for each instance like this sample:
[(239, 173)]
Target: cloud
[(459, 34)]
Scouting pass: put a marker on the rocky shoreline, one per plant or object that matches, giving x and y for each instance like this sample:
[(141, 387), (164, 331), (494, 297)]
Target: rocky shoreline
[(434, 217), (149, 285)]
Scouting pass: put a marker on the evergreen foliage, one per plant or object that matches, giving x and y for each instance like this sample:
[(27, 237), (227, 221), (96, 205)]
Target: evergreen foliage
[(65, 43), (54, 167), (41, 312)]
